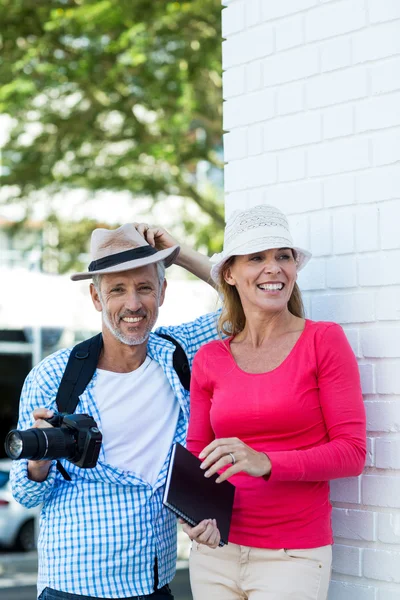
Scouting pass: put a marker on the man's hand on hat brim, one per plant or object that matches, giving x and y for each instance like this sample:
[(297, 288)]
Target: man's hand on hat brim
[(156, 236)]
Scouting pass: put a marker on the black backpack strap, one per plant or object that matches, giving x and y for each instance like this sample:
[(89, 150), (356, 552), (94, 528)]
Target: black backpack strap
[(79, 371), (180, 361)]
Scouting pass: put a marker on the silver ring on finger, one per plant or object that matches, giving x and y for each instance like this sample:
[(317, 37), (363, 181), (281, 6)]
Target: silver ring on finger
[(232, 457)]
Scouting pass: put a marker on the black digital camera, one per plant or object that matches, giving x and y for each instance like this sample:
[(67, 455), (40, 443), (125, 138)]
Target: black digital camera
[(74, 437)]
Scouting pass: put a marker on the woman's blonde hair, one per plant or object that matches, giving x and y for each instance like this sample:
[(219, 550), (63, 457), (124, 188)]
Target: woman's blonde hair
[(232, 319)]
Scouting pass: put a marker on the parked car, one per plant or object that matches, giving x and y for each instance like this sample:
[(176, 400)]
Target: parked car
[(18, 525)]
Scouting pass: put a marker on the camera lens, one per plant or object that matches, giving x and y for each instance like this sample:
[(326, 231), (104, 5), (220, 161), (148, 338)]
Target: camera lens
[(14, 445), (40, 444)]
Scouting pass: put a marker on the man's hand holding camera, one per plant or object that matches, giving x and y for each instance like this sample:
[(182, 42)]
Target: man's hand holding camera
[(39, 469), (74, 437)]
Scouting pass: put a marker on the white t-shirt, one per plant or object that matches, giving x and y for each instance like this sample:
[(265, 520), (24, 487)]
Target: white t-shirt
[(139, 414)]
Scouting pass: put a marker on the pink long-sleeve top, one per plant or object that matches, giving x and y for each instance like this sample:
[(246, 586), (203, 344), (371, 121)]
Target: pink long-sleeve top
[(307, 415)]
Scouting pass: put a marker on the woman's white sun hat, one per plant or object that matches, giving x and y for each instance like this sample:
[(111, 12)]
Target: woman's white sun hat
[(262, 227)]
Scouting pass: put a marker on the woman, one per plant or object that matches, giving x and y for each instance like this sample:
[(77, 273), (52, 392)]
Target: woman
[(277, 408)]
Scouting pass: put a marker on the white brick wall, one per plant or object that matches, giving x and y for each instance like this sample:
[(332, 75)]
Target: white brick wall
[(312, 120)]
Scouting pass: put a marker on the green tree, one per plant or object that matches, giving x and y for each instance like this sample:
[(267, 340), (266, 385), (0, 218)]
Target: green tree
[(121, 95)]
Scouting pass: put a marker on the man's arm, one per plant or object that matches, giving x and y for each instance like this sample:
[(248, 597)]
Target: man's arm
[(33, 481), (189, 259)]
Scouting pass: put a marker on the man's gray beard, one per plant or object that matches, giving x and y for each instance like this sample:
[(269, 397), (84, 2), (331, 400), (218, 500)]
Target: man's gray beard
[(119, 335)]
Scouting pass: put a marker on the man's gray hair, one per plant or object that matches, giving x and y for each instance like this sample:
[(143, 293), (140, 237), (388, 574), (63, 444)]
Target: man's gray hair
[(96, 279)]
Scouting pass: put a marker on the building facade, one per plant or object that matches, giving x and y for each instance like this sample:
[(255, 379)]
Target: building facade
[(312, 121)]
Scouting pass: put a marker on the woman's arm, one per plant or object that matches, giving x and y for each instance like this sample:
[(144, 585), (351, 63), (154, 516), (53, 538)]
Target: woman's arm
[(200, 431), (344, 415)]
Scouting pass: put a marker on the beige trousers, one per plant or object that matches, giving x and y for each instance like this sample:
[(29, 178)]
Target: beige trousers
[(241, 573)]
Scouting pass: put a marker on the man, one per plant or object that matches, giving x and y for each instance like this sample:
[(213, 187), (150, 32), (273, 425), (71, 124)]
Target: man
[(105, 533)]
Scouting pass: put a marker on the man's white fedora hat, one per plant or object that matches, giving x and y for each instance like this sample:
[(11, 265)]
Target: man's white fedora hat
[(122, 249), (262, 227)]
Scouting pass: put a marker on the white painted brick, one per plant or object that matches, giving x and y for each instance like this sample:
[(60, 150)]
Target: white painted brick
[(387, 454), (289, 33), (291, 66), (346, 560), (343, 233), (248, 109), (252, 12), (381, 342), (388, 377), (345, 490), (356, 307), (388, 303), (378, 184), (388, 594), (381, 565), (385, 77), (383, 416), (235, 201), (379, 269), (367, 228), (295, 130), (298, 197), (353, 524), (376, 42), (335, 54), (338, 156), (378, 490), (367, 376), (235, 144), (339, 191), (370, 458), (254, 139), (313, 278), (262, 170), (256, 196), (383, 10), (378, 113), (341, 272), (353, 336), (233, 82), (290, 98), (251, 44), (340, 86), (389, 224), (299, 226), (235, 178), (291, 164), (389, 528), (339, 590), (321, 234), (338, 121), (330, 21), (254, 76), (386, 147), (232, 18), (274, 10), (250, 172)]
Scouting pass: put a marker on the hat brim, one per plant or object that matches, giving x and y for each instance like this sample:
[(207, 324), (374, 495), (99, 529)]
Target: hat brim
[(168, 256), (303, 256)]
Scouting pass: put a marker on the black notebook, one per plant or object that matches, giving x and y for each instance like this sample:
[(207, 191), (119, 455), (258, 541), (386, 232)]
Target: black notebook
[(194, 497)]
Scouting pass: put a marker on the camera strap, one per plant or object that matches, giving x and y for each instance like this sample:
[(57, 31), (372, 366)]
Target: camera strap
[(80, 369)]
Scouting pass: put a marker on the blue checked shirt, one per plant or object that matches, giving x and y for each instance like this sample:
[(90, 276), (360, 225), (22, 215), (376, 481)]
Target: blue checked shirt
[(101, 532)]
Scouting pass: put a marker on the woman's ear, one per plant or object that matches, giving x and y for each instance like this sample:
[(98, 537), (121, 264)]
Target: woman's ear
[(227, 275)]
